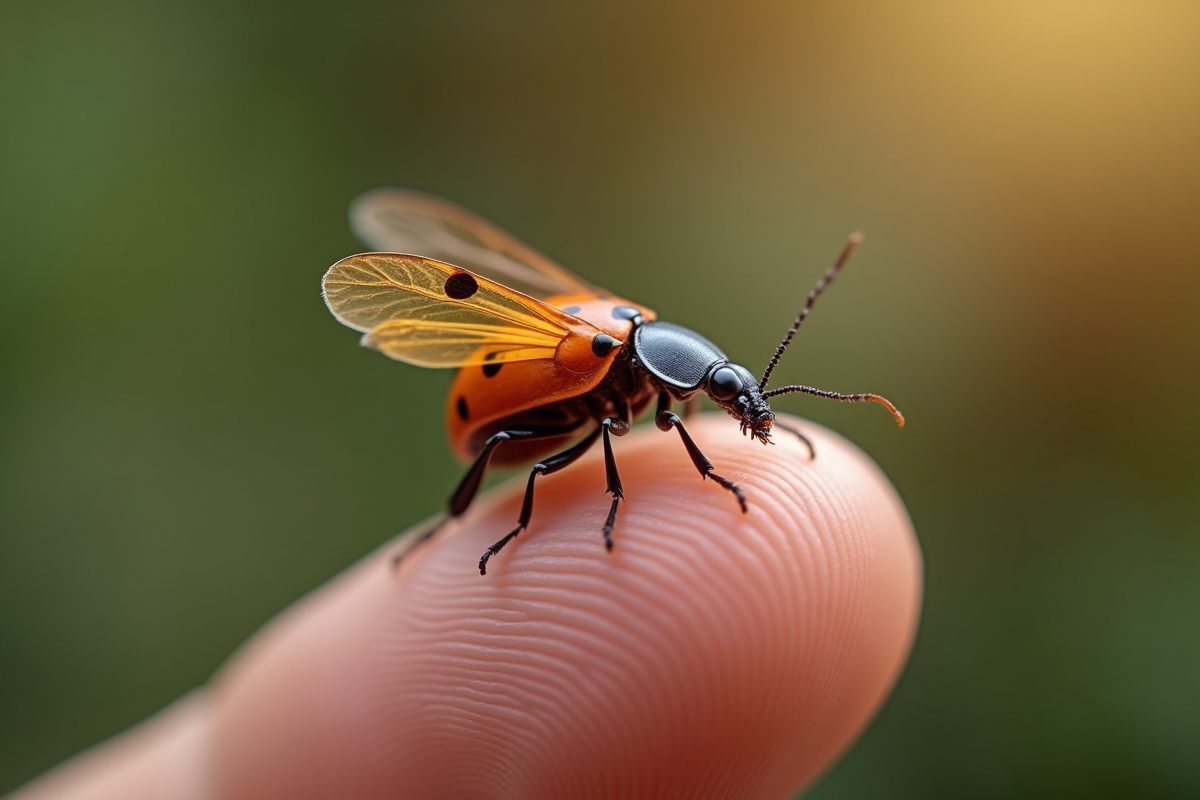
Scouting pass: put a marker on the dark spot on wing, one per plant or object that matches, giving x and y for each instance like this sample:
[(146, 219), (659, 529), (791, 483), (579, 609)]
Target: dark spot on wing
[(603, 344), (461, 285), (625, 312), (461, 406), (490, 370)]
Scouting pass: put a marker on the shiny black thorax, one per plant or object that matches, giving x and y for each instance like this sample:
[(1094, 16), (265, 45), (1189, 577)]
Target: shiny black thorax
[(676, 358), (659, 358), (665, 360)]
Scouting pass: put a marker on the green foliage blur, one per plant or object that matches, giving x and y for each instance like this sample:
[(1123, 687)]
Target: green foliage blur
[(189, 441)]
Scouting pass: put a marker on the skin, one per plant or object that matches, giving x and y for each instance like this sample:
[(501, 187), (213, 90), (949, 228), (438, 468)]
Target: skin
[(711, 654)]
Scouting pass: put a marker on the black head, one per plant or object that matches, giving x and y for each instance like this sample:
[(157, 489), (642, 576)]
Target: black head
[(734, 389)]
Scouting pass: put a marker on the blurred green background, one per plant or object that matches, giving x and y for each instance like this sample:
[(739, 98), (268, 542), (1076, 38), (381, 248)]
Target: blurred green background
[(189, 441)]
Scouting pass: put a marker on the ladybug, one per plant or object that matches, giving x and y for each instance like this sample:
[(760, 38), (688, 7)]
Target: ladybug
[(548, 364)]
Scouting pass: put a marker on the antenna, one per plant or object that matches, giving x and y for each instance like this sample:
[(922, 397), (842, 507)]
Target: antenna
[(852, 243), (845, 398)]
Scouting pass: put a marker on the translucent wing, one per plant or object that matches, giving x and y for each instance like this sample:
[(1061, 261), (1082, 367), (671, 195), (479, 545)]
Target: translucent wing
[(405, 221), (432, 314)]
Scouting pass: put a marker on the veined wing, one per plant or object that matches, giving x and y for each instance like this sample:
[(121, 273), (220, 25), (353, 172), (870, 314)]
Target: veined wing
[(432, 314), (406, 221)]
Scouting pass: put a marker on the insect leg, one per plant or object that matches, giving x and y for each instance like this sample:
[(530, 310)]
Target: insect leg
[(418, 540), (666, 419), (552, 464), (812, 453), (619, 427), (468, 487)]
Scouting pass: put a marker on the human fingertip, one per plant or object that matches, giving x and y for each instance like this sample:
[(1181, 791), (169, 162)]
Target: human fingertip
[(709, 653)]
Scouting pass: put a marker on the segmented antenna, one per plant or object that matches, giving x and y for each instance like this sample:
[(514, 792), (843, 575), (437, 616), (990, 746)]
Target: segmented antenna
[(852, 243), (845, 398)]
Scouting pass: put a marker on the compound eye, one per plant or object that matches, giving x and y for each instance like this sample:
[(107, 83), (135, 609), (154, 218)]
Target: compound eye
[(724, 384)]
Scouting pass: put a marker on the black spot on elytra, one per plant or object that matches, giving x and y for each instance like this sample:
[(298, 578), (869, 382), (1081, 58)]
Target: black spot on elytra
[(603, 344), (461, 285), (490, 370), (572, 309), (625, 312), (461, 406)]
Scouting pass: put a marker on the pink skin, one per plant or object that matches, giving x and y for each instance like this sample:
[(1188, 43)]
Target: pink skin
[(711, 654)]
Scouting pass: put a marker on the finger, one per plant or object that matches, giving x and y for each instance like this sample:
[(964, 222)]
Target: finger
[(711, 654), (164, 758)]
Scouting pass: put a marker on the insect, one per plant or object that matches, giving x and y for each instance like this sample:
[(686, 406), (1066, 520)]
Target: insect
[(548, 364)]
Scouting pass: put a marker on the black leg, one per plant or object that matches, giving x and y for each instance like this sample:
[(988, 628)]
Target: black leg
[(416, 541), (468, 487), (812, 453), (666, 419), (620, 428), (552, 464)]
